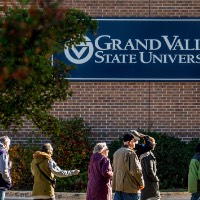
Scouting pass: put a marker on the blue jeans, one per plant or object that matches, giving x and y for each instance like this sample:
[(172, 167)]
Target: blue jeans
[(195, 196), (125, 196), (2, 194)]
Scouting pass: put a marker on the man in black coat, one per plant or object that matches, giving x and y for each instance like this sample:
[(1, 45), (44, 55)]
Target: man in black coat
[(142, 148)]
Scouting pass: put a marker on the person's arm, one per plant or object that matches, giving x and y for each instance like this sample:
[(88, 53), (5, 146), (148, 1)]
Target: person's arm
[(4, 167), (135, 169), (59, 172), (32, 171), (143, 148), (105, 168)]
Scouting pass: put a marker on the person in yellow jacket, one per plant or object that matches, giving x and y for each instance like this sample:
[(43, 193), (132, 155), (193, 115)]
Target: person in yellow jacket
[(194, 175), (44, 168), (127, 172)]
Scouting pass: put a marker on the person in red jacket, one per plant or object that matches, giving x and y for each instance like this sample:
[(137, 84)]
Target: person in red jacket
[(99, 174)]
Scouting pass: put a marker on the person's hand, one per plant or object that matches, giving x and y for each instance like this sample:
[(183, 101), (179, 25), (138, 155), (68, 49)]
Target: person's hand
[(140, 187), (76, 171)]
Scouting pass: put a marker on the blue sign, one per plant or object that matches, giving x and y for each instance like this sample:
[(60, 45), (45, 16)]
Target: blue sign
[(138, 50)]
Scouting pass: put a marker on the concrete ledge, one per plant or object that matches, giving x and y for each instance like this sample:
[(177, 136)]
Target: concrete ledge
[(22, 195)]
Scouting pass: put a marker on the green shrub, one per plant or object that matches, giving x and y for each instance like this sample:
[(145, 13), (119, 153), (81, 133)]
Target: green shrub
[(173, 157), (72, 150), (21, 157)]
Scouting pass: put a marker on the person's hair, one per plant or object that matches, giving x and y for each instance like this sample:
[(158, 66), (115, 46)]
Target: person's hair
[(99, 147), (151, 139), (5, 140), (197, 148), (47, 148)]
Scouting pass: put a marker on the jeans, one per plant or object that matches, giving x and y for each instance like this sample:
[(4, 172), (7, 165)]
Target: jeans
[(195, 196), (2, 194), (125, 196), (47, 199)]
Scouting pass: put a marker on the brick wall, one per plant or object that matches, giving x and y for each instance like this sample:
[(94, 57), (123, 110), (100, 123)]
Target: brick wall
[(111, 108)]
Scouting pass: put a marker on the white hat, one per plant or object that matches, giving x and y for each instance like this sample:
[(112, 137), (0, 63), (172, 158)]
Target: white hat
[(99, 147), (136, 134)]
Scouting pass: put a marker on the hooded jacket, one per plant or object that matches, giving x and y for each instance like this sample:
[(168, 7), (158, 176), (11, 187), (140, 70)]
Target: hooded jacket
[(100, 175), (5, 178), (194, 174), (42, 188)]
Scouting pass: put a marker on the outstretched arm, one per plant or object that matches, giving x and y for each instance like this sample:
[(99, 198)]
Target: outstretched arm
[(59, 172)]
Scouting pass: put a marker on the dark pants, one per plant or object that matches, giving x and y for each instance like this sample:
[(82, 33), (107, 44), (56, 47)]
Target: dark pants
[(125, 196), (195, 196), (47, 199)]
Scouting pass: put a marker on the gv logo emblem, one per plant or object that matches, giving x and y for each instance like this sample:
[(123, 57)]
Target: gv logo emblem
[(81, 54)]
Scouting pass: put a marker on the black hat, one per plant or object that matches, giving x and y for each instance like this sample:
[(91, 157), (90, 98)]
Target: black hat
[(129, 137), (197, 148)]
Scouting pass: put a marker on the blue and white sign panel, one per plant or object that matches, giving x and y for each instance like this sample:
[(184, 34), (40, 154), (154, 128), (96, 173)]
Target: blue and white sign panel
[(138, 50)]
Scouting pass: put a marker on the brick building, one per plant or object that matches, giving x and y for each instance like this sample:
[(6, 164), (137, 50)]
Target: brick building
[(112, 108)]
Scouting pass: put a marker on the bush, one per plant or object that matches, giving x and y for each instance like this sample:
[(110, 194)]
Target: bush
[(21, 157), (72, 150), (173, 157)]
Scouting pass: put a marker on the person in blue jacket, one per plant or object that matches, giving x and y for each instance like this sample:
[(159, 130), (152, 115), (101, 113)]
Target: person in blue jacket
[(194, 175), (5, 177)]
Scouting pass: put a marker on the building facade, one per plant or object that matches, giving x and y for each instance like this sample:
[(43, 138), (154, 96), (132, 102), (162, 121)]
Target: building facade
[(113, 108)]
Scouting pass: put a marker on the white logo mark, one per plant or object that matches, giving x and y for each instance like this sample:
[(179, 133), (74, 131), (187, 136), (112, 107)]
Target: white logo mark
[(79, 53)]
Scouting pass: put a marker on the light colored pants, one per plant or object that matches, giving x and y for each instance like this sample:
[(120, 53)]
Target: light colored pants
[(2, 194), (154, 198)]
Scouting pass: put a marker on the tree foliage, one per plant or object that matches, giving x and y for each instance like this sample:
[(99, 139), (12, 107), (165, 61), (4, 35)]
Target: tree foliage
[(29, 84)]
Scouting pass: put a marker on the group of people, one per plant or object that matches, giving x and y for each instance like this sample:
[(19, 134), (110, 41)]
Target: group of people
[(43, 168), (132, 175)]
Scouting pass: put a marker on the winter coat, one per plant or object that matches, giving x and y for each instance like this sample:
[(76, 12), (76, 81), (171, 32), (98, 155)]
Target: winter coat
[(5, 177), (127, 172), (194, 174), (151, 181), (99, 175), (143, 148), (42, 188)]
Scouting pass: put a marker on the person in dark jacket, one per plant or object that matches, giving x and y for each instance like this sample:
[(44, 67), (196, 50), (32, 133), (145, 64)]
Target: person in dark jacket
[(149, 170), (141, 148), (99, 174), (194, 175)]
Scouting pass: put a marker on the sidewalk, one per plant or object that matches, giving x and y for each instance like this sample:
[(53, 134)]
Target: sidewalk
[(26, 195)]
